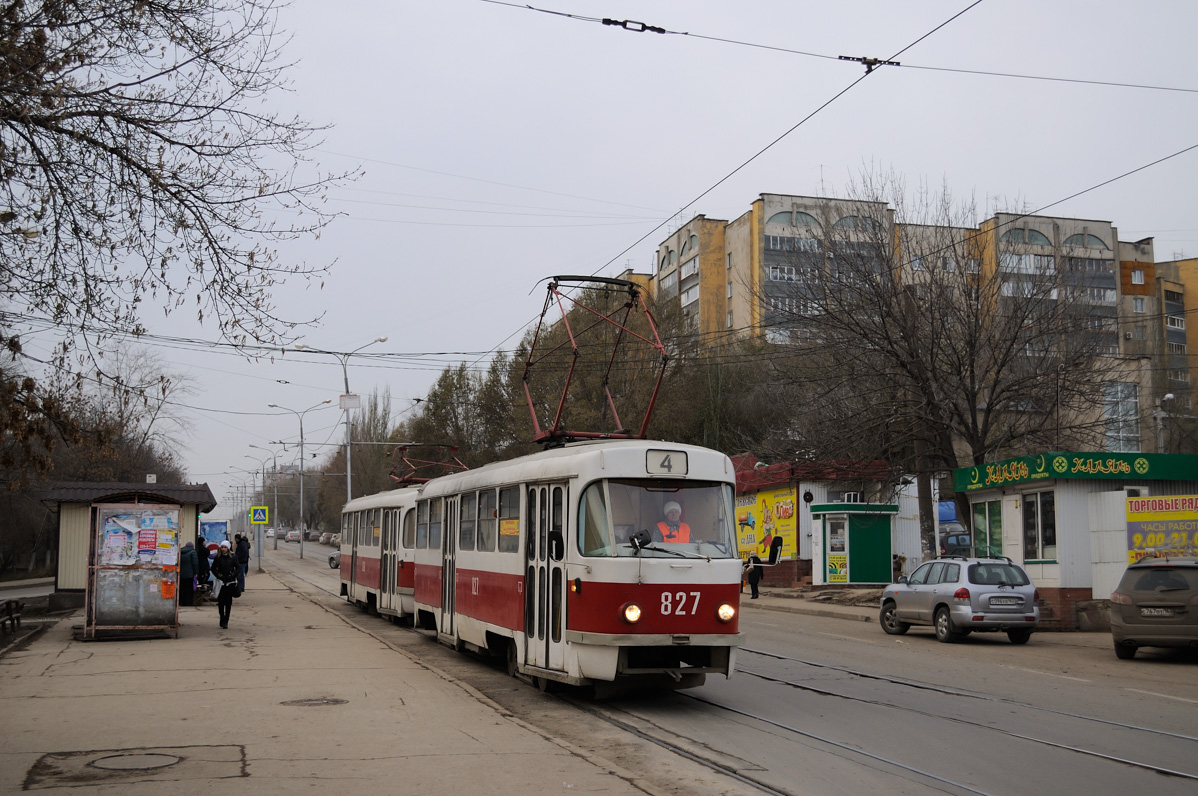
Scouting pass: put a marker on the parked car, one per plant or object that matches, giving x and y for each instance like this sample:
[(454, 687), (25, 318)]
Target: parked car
[(335, 560), (336, 539), (312, 536), (293, 536), (953, 535), (959, 595), (326, 538), (270, 533), (1155, 605)]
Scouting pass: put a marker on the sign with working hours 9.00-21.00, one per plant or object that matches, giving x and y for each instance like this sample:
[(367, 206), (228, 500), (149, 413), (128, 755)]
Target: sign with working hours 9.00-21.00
[(1167, 524)]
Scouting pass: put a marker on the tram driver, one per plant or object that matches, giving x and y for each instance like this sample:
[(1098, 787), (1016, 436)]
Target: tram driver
[(672, 529)]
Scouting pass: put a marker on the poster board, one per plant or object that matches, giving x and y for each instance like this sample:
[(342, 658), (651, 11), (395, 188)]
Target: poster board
[(133, 568)]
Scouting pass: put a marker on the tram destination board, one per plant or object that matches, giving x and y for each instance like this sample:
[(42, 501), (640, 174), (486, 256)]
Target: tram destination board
[(664, 462)]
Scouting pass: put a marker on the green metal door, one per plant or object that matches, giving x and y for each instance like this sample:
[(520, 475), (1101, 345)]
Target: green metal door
[(869, 548)]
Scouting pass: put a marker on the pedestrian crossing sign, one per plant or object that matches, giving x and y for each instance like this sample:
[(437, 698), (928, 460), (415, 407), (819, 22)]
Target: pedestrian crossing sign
[(258, 515)]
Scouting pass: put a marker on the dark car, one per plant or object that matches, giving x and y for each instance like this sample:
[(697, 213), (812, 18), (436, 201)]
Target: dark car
[(953, 535), (1155, 605)]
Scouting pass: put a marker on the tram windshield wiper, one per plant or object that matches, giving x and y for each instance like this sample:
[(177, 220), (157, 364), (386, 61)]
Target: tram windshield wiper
[(641, 540)]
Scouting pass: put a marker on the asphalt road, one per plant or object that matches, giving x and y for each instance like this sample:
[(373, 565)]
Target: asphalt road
[(827, 706)]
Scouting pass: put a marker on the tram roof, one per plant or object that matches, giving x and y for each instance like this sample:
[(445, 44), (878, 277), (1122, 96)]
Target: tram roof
[(568, 459)]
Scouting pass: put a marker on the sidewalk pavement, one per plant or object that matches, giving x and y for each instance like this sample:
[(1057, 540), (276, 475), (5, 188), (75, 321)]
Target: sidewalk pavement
[(290, 696), (793, 601)]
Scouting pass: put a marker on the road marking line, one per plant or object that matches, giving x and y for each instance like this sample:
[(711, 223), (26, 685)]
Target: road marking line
[(1052, 674), (1163, 696)]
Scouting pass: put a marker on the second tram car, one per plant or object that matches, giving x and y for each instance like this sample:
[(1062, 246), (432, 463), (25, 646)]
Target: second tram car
[(570, 563)]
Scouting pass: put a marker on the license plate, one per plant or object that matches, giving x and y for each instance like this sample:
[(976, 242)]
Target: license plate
[(1005, 601), (1156, 612)]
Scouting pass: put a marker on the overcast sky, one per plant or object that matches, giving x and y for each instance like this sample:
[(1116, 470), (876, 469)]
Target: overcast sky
[(501, 145)]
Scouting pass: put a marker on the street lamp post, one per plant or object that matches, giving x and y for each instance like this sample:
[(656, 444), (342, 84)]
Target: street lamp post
[(300, 415), (346, 400), (258, 540), (275, 473)]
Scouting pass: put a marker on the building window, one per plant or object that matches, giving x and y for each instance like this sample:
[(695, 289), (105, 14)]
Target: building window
[(669, 284), (729, 290), (1174, 296), (1179, 376), (1141, 332), (1175, 348), (1137, 276), (1175, 322), (1121, 415), (729, 319), (1089, 241), (1026, 263), (1025, 236), (729, 265), (690, 267), (690, 295), (1039, 526), (1137, 305), (782, 273)]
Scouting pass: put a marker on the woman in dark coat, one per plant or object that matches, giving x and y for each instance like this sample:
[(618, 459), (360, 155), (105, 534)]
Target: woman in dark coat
[(189, 565), (754, 569), (225, 569), (205, 566)]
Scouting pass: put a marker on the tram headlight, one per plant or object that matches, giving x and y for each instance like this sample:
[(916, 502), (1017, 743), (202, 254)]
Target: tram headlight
[(631, 613), (725, 613)]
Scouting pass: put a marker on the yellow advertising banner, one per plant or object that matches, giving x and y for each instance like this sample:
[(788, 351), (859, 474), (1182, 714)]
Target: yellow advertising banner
[(1166, 524), (838, 569), (761, 516)]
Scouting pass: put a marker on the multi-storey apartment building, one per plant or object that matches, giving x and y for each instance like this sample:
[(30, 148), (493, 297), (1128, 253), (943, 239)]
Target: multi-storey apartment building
[(756, 274)]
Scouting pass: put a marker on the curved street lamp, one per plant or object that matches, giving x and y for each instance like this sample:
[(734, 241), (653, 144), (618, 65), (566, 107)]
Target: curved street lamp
[(344, 358), (300, 415)]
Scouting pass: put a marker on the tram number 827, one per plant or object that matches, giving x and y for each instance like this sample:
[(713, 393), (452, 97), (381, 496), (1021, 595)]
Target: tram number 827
[(677, 604)]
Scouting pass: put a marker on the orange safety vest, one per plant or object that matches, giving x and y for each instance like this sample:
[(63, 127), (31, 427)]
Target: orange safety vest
[(683, 534)]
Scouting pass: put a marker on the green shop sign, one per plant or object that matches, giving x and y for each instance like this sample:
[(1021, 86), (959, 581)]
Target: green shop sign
[(1026, 469)]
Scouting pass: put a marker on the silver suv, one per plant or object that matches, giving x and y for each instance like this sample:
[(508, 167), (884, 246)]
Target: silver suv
[(958, 595)]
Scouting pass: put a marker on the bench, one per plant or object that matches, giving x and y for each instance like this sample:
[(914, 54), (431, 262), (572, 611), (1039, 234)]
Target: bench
[(10, 615)]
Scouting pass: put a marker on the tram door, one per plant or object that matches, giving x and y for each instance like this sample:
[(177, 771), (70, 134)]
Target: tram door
[(449, 546), (388, 600), (354, 536), (545, 587)]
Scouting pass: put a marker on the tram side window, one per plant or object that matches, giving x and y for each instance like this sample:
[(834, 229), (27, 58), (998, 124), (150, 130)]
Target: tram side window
[(509, 519), (434, 524), (359, 534), (592, 520), (372, 526), (466, 523), (422, 526), (387, 524), (409, 529), (486, 520)]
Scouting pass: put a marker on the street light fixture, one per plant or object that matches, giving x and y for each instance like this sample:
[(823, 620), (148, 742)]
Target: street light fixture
[(300, 415), (347, 402)]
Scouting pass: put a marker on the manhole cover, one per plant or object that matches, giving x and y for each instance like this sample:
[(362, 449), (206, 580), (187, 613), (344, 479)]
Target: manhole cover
[(308, 703), (135, 762)]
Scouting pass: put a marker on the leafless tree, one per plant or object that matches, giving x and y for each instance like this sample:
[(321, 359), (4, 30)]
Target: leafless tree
[(926, 344)]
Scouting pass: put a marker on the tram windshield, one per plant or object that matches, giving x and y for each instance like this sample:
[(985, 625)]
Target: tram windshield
[(687, 517)]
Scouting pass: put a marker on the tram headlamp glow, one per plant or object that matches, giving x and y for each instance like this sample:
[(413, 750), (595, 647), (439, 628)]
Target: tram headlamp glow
[(631, 613), (725, 613)]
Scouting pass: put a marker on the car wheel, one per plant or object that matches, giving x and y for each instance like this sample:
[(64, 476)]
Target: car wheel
[(1019, 636), (890, 621), (332, 562), (1125, 652), (944, 627)]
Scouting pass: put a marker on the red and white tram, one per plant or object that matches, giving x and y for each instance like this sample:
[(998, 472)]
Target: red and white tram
[(559, 561), (376, 572)]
